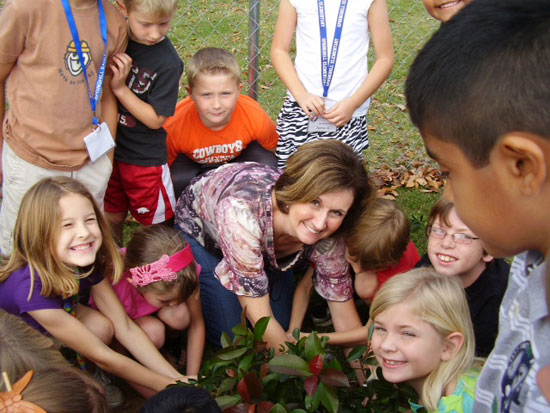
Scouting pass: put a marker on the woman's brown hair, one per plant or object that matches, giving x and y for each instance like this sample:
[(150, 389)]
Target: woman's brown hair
[(320, 167)]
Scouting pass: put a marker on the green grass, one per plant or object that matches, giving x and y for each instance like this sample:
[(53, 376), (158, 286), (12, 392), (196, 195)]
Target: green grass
[(417, 206)]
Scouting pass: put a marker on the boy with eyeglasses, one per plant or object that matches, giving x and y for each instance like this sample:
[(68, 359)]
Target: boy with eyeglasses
[(454, 250)]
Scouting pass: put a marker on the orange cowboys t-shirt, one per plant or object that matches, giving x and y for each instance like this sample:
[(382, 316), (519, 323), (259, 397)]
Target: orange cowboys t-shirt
[(188, 135)]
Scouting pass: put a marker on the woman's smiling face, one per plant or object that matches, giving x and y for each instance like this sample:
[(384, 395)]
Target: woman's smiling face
[(310, 222)]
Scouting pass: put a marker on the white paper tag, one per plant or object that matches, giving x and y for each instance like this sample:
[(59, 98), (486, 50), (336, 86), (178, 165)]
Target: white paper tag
[(320, 124), (99, 142)]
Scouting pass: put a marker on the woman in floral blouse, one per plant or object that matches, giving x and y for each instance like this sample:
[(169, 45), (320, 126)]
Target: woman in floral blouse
[(249, 225)]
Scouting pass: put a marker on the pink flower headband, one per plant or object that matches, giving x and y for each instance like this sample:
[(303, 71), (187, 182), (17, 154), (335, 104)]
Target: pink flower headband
[(164, 269)]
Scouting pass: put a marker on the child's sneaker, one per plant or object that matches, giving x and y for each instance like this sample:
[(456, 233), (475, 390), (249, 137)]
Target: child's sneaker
[(113, 394)]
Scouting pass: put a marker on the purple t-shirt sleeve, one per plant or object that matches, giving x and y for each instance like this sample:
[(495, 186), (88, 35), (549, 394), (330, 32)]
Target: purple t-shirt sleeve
[(14, 293), (18, 285)]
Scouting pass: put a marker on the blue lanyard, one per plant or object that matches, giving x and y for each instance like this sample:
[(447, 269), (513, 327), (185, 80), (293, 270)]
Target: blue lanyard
[(327, 66), (101, 74)]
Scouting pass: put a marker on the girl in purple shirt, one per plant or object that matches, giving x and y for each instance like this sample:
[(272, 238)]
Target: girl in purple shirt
[(63, 245)]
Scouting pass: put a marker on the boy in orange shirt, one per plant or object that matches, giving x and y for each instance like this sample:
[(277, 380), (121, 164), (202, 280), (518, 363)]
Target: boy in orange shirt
[(216, 124)]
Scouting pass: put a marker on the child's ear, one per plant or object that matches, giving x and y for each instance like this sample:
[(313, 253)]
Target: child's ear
[(122, 8), (525, 157), (487, 257), (240, 87), (452, 345), (189, 91)]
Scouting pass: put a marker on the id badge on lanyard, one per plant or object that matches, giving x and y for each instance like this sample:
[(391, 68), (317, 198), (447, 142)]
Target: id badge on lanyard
[(320, 124), (99, 141)]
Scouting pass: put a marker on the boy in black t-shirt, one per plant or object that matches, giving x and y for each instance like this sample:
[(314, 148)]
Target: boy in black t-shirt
[(454, 250), (145, 82)]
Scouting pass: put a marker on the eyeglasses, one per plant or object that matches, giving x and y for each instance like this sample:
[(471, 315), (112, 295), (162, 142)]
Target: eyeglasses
[(458, 237)]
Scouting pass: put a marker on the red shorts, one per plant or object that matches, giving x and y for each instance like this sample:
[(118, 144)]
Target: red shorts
[(145, 191)]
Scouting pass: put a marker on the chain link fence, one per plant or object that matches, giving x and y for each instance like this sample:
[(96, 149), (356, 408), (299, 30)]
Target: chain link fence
[(237, 24), (245, 27)]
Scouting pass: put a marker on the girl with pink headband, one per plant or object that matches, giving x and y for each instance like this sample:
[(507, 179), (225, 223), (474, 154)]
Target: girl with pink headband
[(160, 289)]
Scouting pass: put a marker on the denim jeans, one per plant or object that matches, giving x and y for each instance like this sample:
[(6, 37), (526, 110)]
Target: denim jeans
[(221, 308)]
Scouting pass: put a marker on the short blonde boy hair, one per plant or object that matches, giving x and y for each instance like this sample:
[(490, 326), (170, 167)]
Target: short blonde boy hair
[(212, 60), (381, 236), (157, 8), (440, 301)]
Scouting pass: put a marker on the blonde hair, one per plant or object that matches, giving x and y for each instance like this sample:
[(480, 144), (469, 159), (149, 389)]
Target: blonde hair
[(157, 8), (36, 234), (440, 301), (147, 245), (61, 390), (22, 348), (323, 166), (211, 61), (380, 237)]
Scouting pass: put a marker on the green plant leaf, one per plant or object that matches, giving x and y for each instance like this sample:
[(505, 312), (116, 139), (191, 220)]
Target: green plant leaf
[(289, 364), (328, 397), (239, 330), (245, 363), (271, 377), (230, 354), (332, 377), (334, 364), (226, 402), (313, 347), (225, 340), (278, 408), (312, 403), (356, 353), (216, 365), (259, 328), (227, 385)]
